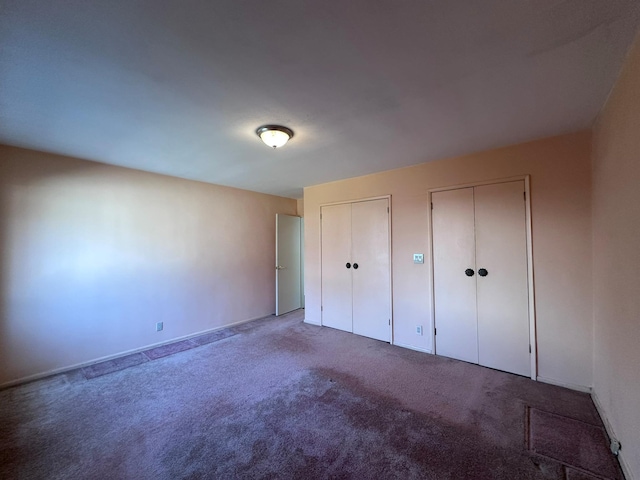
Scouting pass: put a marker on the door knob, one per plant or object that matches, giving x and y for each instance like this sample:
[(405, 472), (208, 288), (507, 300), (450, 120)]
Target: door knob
[(483, 272), (355, 266), (278, 267), (348, 265), (468, 272)]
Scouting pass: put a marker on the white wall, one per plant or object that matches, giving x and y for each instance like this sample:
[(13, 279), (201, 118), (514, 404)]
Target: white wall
[(616, 261), (560, 172), (92, 256)]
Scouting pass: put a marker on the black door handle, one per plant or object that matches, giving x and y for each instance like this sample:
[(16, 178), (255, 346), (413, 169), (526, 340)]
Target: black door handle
[(468, 272), (483, 272), (348, 265), (355, 266)]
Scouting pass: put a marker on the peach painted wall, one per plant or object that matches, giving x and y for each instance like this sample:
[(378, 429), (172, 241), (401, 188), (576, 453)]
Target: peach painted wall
[(560, 172), (92, 256), (616, 261)]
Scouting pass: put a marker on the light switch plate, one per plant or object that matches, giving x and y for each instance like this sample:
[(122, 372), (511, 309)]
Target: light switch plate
[(418, 258)]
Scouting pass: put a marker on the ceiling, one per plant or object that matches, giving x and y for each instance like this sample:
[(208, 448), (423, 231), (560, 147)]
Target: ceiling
[(179, 87)]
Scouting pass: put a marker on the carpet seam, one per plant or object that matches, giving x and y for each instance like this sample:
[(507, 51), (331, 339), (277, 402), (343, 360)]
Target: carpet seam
[(563, 463)]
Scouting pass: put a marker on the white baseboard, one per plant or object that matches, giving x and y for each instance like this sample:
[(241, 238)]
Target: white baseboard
[(571, 386), (56, 371), (626, 470), (412, 347), (312, 323)]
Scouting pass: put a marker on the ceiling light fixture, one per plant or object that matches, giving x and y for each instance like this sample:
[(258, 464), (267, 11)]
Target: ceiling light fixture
[(274, 135)]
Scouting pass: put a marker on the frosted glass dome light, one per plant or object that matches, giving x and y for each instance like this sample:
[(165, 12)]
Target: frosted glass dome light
[(274, 136)]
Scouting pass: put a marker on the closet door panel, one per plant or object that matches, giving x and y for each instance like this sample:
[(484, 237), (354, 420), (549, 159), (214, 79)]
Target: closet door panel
[(502, 295), (336, 278), (372, 279), (455, 292)]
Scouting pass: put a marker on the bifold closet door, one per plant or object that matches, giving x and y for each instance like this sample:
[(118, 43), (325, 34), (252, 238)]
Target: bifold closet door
[(455, 290), (370, 252), (503, 294), (481, 290), (336, 277)]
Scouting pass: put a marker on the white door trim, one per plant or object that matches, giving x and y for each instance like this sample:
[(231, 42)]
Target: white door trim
[(357, 200), (478, 184), (532, 311), (368, 199), (532, 300)]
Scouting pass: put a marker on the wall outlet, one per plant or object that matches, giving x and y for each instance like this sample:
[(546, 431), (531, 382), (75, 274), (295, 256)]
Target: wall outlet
[(159, 326), (418, 258), (418, 329)]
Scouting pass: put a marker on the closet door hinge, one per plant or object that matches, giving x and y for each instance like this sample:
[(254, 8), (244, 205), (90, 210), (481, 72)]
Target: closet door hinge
[(435, 331), (529, 348), (389, 321), (387, 209), (525, 196), (431, 205), (320, 216), (321, 308)]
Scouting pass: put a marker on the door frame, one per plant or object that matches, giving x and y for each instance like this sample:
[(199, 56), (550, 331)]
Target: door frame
[(358, 200), (533, 340)]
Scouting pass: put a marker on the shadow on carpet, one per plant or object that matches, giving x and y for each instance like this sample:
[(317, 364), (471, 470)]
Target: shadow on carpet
[(327, 425)]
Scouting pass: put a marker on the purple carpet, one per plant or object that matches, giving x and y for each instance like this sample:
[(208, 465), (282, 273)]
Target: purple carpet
[(577, 444), (277, 398), (169, 349), (110, 366), (573, 474), (213, 336)]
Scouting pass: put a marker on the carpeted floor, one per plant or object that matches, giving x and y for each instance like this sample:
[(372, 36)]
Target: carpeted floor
[(277, 398)]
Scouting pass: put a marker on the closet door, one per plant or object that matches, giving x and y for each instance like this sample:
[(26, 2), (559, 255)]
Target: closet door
[(455, 291), (503, 294), (336, 277), (370, 253)]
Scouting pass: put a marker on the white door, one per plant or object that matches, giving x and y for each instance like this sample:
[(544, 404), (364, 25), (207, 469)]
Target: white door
[(480, 276), (288, 267), (503, 294), (370, 255), (336, 267), (302, 262), (455, 291)]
